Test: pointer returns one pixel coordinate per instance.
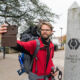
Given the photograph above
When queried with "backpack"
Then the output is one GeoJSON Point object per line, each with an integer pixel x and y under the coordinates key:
{"type": "Point", "coordinates": [31, 33]}
{"type": "Point", "coordinates": [26, 60]}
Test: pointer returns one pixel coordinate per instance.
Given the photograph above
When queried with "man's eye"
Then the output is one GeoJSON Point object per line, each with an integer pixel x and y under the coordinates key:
{"type": "Point", "coordinates": [45, 30]}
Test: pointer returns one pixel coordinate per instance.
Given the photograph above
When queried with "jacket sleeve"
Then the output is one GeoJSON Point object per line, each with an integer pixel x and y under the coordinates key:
{"type": "Point", "coordinates": [29, 46]}
{"type": "Point", "coordinates": [20, 49]}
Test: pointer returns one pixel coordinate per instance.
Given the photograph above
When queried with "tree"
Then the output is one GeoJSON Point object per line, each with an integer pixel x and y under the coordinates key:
{"type": "Point", "coordinates": [24, 12]}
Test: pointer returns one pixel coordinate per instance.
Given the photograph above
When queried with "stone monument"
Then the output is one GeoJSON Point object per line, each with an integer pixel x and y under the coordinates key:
{"type": "Point", "coordinates": [72, 52]}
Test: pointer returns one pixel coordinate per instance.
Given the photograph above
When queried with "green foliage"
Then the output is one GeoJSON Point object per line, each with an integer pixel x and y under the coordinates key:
{"type": "Point", "coordinates": [64, 42]}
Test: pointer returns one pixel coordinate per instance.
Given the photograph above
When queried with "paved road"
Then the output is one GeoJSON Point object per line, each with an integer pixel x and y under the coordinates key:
{"type": "Point", "coordinates": [10, 65]}
{"type": "Point", "coordinates": [59, 60]}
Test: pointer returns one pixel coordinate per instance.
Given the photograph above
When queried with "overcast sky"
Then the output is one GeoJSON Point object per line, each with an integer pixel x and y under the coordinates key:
{"type": "Point", "coordinates": [60, 7]}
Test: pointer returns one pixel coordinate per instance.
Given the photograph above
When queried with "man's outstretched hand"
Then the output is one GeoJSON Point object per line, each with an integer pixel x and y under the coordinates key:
{"type": "Point", "coordinates": [3, 28]}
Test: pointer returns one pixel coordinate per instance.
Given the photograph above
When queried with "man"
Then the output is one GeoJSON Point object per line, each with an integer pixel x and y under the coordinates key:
{"type": "Point", "coordinates": [45, 53]}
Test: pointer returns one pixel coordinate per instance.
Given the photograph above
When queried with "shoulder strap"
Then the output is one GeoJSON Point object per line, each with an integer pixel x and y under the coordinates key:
{"type": "Point", "coordinates": [37, 48]}
{"type": "Point", "coordinates": [36, 51]}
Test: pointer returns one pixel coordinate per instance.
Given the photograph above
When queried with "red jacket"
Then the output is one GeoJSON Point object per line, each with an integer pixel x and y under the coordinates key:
{"type": "Point", "coordinates": [30, 46]}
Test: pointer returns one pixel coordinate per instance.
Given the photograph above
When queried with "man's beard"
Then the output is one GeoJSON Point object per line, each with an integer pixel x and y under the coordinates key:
{"type": "Point", "coordinates": [46, 38]}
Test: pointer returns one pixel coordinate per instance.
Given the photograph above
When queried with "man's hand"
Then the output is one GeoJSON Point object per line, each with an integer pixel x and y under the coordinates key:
{"type": "Point", "coordinates": [54, 74]}
{"type": "Point", "coordinates": [3, 28]}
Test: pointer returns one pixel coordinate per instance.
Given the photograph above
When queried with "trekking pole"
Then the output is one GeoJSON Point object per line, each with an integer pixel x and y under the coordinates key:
{"type": "Point", "coordinates": [4, 52]}
{"type": "Point", "coordinates": [60, 73]}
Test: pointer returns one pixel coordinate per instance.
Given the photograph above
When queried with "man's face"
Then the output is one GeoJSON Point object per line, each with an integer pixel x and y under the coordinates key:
{"type": "Point", "coordinates": [46, 31]}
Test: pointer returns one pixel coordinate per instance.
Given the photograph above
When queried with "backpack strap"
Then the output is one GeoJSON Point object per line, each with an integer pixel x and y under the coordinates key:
{"type": "Point", "coordinates": [37, 48]}
{"type": "Point", "coordinates": [33, 76]}
{"type": "Point", "coordinates": [35, 52]}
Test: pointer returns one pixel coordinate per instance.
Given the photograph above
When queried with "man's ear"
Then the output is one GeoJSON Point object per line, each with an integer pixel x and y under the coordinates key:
{"type": "Point", "coordinates": [53, 32]}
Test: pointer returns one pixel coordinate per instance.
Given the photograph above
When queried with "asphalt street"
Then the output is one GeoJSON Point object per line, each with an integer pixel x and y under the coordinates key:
{"type": "Point", "coordinates": [10, 65]}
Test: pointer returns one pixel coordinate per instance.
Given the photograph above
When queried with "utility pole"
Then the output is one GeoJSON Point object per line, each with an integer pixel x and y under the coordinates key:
{"type": "Point", "coordinates": [5, 22]}
{"type": "Point", "coordinates": [61, 36]}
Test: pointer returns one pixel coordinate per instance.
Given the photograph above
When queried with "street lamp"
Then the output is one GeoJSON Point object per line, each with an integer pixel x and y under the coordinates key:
{"type": "Point", "coordinates": [61, 36]}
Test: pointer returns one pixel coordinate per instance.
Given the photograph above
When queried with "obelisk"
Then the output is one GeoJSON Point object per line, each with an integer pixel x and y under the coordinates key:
{"type": "Point", "coordinates": [72, 52]}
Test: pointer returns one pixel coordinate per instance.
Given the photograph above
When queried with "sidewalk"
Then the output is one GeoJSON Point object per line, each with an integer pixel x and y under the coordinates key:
{"type": "Point", "coordinates": [59, 60]}
{"type": "Point", "coordinates": [10, 65]}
